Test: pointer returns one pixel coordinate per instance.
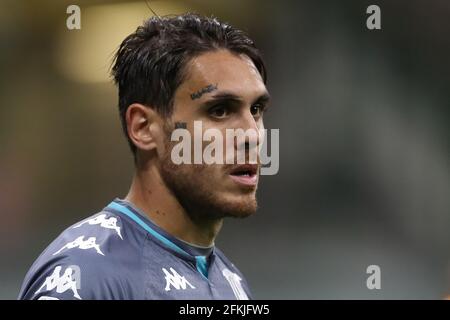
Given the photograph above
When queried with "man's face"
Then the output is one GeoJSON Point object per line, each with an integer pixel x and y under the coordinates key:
{"type": "Point", "coordinates": [223, 91]}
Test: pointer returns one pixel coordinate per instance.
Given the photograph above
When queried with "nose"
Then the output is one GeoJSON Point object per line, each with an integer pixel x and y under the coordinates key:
{"type": "Point", "coordinates": [251, 127]}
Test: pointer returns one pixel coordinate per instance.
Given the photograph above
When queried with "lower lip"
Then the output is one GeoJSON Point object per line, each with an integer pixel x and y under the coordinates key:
{"type": "Point", "coordinates": [245, 180]}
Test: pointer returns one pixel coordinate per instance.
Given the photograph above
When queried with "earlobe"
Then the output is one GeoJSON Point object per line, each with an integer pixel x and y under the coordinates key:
{"type": "Point", "coordinates": [142, 123]}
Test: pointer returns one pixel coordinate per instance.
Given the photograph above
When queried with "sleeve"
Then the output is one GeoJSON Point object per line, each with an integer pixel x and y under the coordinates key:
{"type": "Point", "coordinates": [88, 261]}
{"type": "Point", "coordinates": [63, 280]}
{"type": "Point", "coordinates": [59, 281]}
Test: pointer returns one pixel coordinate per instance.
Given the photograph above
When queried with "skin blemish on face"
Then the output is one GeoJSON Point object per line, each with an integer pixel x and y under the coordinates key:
{"type": "Point", "coordinates": [209, 88]}
{"type": "Point", "coordinates": [160, 212]}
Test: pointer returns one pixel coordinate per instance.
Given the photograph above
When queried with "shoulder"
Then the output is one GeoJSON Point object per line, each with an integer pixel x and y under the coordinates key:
{"type": "Point", "coordinates": [96, 258]}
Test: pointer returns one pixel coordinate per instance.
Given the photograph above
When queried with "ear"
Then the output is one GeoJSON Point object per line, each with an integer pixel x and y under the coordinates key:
{"type": "Point", "coordinates": [144, 126]}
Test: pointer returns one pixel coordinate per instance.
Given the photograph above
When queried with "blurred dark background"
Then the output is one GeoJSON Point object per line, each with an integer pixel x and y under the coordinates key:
{"type": "Point", "coordinates": [364, 140]}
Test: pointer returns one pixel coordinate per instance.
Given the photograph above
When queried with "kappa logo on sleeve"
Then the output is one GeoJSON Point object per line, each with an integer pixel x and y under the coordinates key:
{"type": "Point", "coordinates": [107, 223]}
{"type": "Point", "coordinates": [235, 282]}
{"type": "Point", "coordinates": [82, 244]}
{"type": "Point", "coordinates": [69, 280]}
{"type": "Point", "coordinates": [174, 279]}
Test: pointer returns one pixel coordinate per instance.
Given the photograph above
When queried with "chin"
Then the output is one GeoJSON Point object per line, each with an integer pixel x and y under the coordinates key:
{"type": "Point", "coordinates": [204, 195]}
{"type": "Point", "coordinates": [240, 206]}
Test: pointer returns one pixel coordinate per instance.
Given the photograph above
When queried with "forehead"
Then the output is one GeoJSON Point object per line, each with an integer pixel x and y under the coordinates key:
{"type": "Point", "coordinates": [229, 71]}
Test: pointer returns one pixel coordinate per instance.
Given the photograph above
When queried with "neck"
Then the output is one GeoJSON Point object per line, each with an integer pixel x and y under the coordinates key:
{"type": "Point", "coordinates": [149, 193]}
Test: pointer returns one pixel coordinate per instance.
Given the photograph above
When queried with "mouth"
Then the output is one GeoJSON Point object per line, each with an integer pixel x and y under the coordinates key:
{"type": "Point", "coordinates": [246, 175]}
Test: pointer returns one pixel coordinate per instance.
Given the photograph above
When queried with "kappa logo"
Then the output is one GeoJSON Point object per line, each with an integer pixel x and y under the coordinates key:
{"type": "Point", "coordinates": [68, 281]}
{"type": "Point", "coordinates": [235, 282]}
{"type": "Point", "coordinates": [110, 223]}
{"type": "Point", "coordinates": [82, 244]}
{"type": "Point", "coordinates": [174, 279]}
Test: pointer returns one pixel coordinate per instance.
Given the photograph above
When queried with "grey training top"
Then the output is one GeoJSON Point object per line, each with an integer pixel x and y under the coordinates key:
{"type": "Point", "coordinates": [120, 254]}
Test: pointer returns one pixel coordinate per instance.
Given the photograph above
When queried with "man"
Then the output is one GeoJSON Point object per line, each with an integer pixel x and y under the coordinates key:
{"type": "Point", "coordinates": [158, 242]}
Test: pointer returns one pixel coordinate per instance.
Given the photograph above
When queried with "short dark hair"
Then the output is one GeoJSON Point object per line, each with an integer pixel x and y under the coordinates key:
{"type": "Point", "coordinates": [150, 63]}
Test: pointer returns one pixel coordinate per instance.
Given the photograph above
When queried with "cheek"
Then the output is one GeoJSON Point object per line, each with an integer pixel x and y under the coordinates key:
{"type": "Point", "coordinates": [210, 176]}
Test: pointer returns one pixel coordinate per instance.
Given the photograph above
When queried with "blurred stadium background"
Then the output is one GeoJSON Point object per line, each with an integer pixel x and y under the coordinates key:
{"type": "Point", "coordinates": [364, 120]}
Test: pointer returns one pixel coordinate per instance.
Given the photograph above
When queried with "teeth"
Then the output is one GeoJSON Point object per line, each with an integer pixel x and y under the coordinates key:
{"type": "Point", "coordinates": [242, 173]}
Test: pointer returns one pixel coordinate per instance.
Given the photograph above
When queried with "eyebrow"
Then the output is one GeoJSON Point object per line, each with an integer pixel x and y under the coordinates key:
{"type": "Point", "coordinates": [229, 96]}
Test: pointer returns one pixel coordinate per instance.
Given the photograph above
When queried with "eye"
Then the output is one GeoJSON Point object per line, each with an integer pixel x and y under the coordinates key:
{"type": "Point", "coordinates": [219, 111]}
{"type": "Point", "coordinates": [257, 109]}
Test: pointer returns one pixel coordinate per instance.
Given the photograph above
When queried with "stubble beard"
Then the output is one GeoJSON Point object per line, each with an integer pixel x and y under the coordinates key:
{"type": "Point", "coordinates": [197, 193]}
